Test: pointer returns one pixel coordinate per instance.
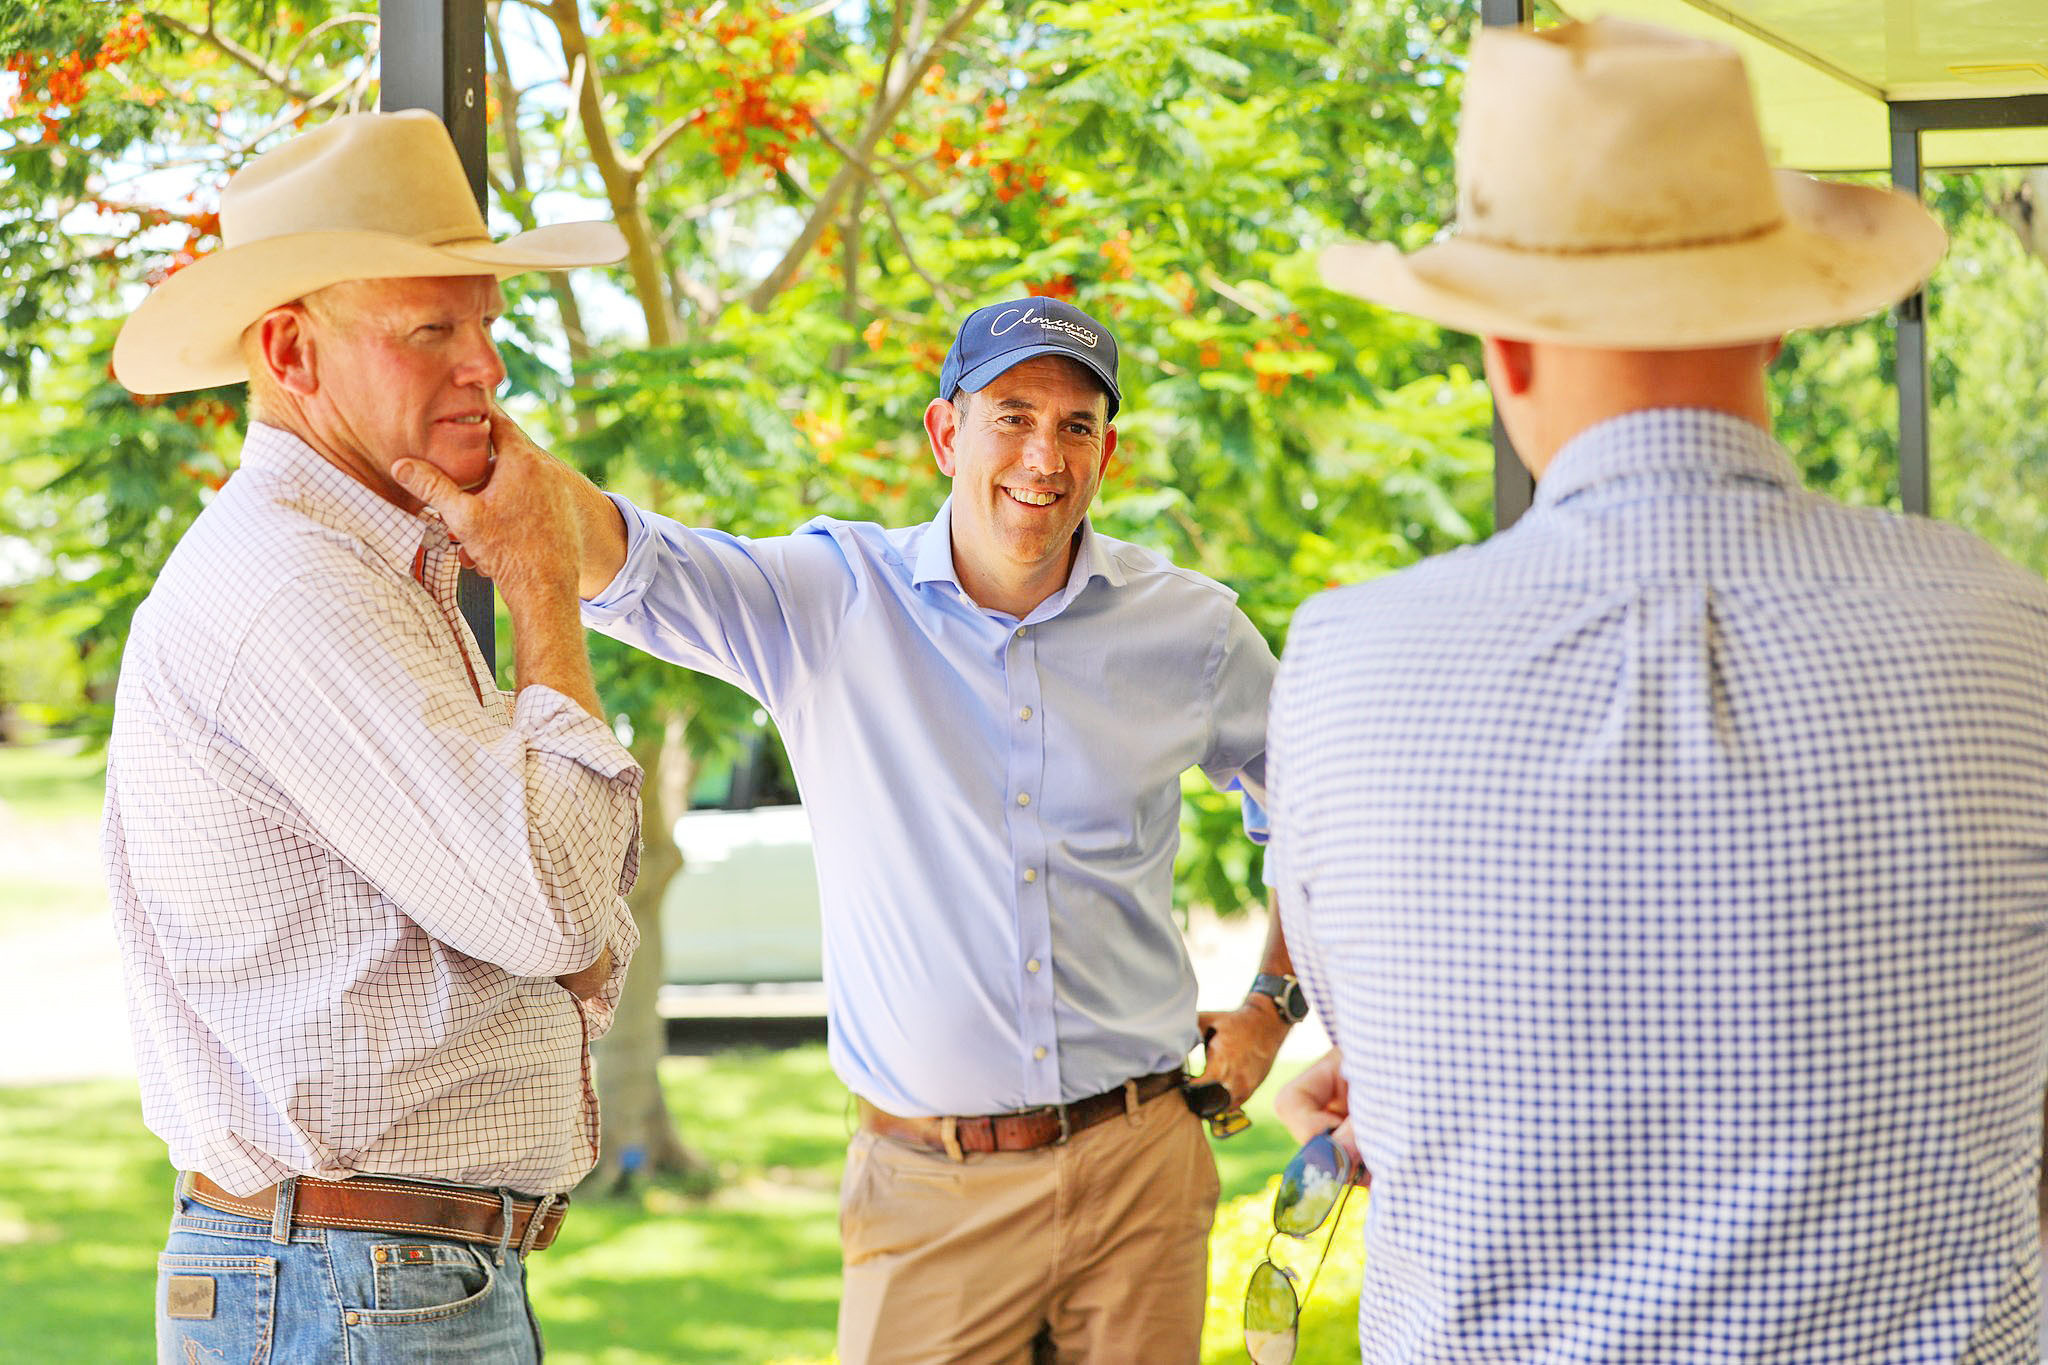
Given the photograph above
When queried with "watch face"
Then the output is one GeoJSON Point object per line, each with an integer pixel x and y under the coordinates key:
{"type": "Point", "coordinates": [1294, 1002]}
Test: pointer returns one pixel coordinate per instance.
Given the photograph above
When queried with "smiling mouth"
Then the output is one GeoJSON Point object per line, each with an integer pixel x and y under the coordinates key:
{"type": "Point", "coordinates": [472, 420]}
{"type": "Point", "coordinates": [1032, 497]}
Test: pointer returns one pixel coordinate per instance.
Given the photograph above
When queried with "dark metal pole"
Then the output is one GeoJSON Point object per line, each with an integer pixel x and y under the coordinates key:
{"type": "Point", "coordinates": [1513, 486]}
{"type": "Point", "coordinates": [1910, 327]}
{"type": "Point", "coordinates": [431, 54]}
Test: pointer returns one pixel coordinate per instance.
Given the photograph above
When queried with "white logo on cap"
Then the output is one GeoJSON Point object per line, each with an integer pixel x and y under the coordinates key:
{"type": "Point", "coordinates": [1024, 315]}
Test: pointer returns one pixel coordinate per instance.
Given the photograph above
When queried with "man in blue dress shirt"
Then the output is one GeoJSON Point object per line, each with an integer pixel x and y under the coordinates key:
{"type": "Point", "coordinates": [988, 716]}
{"type": "Point", "coordinates": [1673, 868]}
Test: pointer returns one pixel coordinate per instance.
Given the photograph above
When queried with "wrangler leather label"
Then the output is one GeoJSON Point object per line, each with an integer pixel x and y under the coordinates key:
{"type": "Point", "coordinates": [189, 1296]}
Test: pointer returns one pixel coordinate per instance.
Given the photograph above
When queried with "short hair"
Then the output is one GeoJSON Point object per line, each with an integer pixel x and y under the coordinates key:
{"type": "Point", "coordinates": [265, 398]}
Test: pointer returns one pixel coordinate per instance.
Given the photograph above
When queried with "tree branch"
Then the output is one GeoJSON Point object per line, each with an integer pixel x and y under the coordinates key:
{"type": "Point", "coordinates": [888, 104]}
{"type": "Point", "coordinates": [621, 182]}
{"type": "Point", "coordinates": [508, 98]}
{"type": "Point", "coordinates": [639, 164]}
{"type": "Point", "coordinates": [336, 22]}
{"type": "Point", "coordinates": [1237, 296]}
{"type": "Point", "coordinates": [278, 77]}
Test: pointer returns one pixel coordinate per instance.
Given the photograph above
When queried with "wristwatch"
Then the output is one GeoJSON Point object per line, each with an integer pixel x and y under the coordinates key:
{"type": "Point", "coordinates": [1285, 993]}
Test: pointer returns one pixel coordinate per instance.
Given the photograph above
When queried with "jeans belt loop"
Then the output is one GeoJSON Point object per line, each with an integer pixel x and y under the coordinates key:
{"type": "Point", "coordinates": [540, 1211]}
{"type": "Point", "coordinates": [1066, 1124]}
{"type": "Point", "coordinates": [1131, 1105]}
{"type": "Point", "coordinates": [281, 1210]}
{"type": "Point", "coordinates": [505, 1240]}
{"type": "Point", "coordinates": [949, 1133]}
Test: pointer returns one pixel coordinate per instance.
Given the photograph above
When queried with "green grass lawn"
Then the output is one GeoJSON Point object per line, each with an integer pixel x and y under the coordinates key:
{"type": "Point", "coordinates": [51, 782]}
{"type": "Point", "coordinates": [49, 818]}
{"type": "Point", "coordinates": [748, 1275]}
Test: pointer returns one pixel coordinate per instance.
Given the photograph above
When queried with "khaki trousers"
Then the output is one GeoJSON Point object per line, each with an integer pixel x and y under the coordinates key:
{"type": "Point", "coordinates": [1095, 1252]}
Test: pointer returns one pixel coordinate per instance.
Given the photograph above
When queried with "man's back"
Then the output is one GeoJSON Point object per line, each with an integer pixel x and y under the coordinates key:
{"type": "Point", "coordinates": [1680, 865]}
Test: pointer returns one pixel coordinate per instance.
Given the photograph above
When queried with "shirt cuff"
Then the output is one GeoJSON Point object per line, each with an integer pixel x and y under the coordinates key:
{"type": "Point", "coordinates": [622, 595]}
{"type": "Point", "coordinates": [1258, 826]}
{"type": "Point", "coordinates": [556, 725]}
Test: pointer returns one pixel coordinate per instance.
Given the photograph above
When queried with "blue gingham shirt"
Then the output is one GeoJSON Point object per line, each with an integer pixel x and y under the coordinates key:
{"type": "Point", "coordinates": [994, 802]}
{"type": "Point", "coordinates": [1672, 871]}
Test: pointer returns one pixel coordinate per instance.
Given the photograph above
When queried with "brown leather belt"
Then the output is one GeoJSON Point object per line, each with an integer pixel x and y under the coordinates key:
{"type": "Point", "coordinates": [382, 1203]}
{"type": "Point", "coordinates": [1025, 1130]}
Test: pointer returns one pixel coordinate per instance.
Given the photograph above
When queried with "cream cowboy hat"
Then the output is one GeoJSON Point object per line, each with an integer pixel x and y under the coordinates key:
{"type": "Point", "coordinates": [361, 197]}
{"type": "Point", "coordinates": [1614, 191]}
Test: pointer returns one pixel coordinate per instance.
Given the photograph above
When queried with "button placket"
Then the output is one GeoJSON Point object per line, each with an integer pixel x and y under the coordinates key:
{"type": "Point", "coordinates": [1026, 776]}
{"type": "Point", "coordinates": [438, 571]}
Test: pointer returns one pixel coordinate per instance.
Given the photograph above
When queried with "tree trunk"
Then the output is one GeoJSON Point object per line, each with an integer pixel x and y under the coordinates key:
{"type": "Point", "coordinates": [2024, 209]}
{"type": "Point", "coordinates": [640, 1135]}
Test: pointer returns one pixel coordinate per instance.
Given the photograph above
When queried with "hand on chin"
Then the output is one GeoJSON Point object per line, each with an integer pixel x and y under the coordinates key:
{"type": "Point", "coordinates": [464, 458]}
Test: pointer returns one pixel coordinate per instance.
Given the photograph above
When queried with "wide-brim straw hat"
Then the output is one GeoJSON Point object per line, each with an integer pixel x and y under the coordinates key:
{"type": "Point", "coordinates": [361, 197]}
{"type": "Point", "coordinates": [1614, 192]}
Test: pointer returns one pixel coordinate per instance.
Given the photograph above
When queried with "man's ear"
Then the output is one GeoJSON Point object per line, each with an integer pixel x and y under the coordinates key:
{"type": "Point", "coordinates": [1510, 365]}
{"type": "Point", "coordinates": [1108, 452]}
{"type": "Point", "coordinates": [941, 426]}
{"type": "Point", "coordinates": [285, 345]}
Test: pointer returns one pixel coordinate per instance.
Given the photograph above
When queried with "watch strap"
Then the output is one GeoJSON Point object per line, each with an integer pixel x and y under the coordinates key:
{"type": "Point", "coordinates": [1286, 994]}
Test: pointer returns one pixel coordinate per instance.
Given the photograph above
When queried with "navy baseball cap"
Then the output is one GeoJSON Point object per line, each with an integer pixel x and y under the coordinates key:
{"type": "Point", "coordinates": [1005, 334]}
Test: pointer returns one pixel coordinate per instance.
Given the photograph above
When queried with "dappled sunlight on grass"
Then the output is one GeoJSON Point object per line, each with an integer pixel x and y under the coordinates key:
{"type": "Point", "coordinates": [84, 1195]}
{"type": "Point", "coordinates": [747, 1275]}
{"type": "Point", "coordinates": [1329, 1320]}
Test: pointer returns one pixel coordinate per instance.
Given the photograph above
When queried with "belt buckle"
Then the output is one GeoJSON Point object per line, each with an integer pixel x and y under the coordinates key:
{"type": "Point", "coordinates": [1058, 1111]}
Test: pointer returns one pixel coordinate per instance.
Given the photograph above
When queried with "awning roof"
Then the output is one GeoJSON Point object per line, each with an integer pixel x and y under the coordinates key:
{"type": "Point", "coordinates": [1824, 69]}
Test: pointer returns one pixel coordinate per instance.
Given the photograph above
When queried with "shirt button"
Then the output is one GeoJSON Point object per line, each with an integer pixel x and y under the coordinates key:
{"type": "Point", "coordinates": [1024, 713]}
{"type": "Point", "coordinates": [1023, 798]}
{"type": "Point", "coordinates": [1032, 966]}
{"type": "Point", "coordinates": [1038, 1054]}
{"type": "Point", "coordinates": [1022, 631]}
{"type": "Point", "coordinates": [1030, 874]}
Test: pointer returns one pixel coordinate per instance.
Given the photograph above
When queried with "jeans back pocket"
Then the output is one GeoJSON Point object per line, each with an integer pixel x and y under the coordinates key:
{"type": "Point", "coordinates": [221, 1310]}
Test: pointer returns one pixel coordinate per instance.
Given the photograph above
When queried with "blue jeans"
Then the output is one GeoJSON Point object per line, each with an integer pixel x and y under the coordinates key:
{"type": "Point", "coordinates": [233, 1291]}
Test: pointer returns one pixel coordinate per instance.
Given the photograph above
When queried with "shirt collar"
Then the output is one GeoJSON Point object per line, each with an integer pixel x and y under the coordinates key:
{"type": "Point", "coordinates": [1657, 444]}
{"type": "Point", "coordinates": [934, 562]}
{"type": "Point", "coordinates": [392, 532]}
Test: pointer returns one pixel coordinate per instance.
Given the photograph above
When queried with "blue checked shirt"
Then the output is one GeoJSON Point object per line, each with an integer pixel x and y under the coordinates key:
{"type": "Point", "coordinates": [994, 803]}
{"type": "Point", "coordinates": [1672, 871]}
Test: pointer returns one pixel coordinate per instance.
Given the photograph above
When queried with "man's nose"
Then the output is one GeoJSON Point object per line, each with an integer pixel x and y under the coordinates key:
{"type": "Point", "coordinates": [1041, 453]}
{"type": "Point", "coordinates": [481, 364]}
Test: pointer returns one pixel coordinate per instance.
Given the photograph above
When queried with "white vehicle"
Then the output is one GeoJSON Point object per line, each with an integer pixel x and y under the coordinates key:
{"type": "Point", "coordinates": [744, 909]}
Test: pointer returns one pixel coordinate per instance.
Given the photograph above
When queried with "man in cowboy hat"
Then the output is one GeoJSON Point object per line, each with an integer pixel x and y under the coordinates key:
{"type": "Point", "coordinates": [989, 715]}
{"type": "Point", "coordinates": [368, 905]}
{"type": "Point", "coordinates": [1674, 866]}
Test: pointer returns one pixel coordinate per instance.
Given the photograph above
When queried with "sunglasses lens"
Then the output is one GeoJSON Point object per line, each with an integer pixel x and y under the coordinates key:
{"type": "Point", "coordinates": [1271, 1313]}
{"type": "Point", "coordinates": [1310, 1187]}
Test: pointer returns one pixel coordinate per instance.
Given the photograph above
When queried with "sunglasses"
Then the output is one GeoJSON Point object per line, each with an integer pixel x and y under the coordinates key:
{"type": "Point", "coordinates": [1211, 1101]}
{"type": "Point", "coordinates": [1315, 1183]}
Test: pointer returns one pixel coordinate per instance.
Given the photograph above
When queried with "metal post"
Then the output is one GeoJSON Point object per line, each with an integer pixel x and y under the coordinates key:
{"type": "Point", "coordinates": [431, 55]}
{"type": "Point", "coordinates": [1513, 486]}
{"type": "Point", "coordinates": [1910, 328]}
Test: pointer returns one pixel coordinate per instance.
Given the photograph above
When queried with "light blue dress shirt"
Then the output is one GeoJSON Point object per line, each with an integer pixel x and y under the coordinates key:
{"type": "Point", "coordinates": [994, 802]}
{"type": "Point", "coordinates": [1673, 871]}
